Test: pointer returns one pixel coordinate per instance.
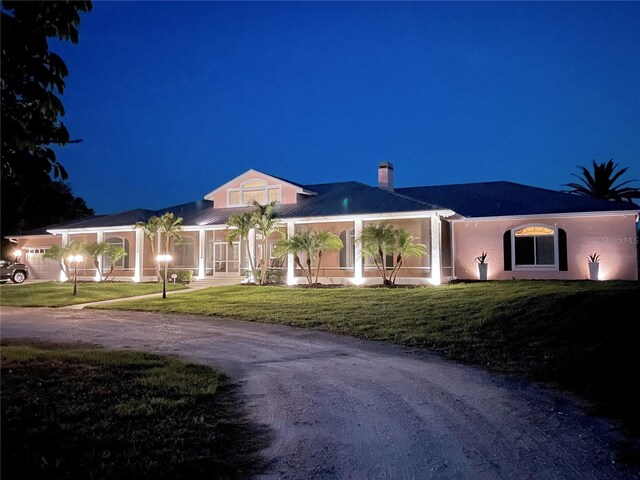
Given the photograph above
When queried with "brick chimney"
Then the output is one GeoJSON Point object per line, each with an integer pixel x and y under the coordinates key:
{"type": "Point", "coordinates": [385, 176]}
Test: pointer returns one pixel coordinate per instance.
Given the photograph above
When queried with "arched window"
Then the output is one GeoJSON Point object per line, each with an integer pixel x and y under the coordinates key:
{"type": "Point", "coordinates": [184, 253]}
{"type": "Point", "coordinates": [253, 189]}
{"type": "Point", "coordinates": [533, 246]}
{"type": "Point", "coordinates": [348, 250]}
{"type": "Point", "coordinates": [122, 262]}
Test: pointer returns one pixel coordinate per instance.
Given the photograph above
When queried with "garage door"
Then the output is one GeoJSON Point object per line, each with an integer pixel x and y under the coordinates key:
{"type": "Point", "coordinates": [39, 267]}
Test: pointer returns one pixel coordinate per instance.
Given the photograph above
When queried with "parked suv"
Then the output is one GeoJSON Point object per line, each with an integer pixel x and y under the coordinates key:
{"type": "Point", "coordinates": [16, 272]}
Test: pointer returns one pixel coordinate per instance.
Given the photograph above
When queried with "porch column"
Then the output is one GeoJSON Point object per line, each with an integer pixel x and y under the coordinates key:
{"type": "Point", "coordinates": [291, 272]}
{"type": "Point", "coordinates": [65, 241]}
{"type": "Point", "coordinates": [252, 250]}
{"type": "Point", "coordinates": [357, 267]}
{"type": "Point", "coordinates": [137, 273]}
{"type": "Point", "coordinates": [202, 243]}
{"type": "Point", "coordinates": [435, 250]}
{"type": "Point", "coordinates": [99, 239]}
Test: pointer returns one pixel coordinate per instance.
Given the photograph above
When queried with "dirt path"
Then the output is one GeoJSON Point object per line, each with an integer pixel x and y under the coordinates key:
{"type": "Point", "coordinates": [344, 408]}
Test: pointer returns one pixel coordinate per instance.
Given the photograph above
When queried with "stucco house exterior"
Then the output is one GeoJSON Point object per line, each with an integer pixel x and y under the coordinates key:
{"type": "Point", "coordinates": [527, 232]}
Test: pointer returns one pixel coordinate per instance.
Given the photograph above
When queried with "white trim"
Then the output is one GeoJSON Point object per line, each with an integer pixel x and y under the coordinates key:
{"type": "Point", "coordinates": [370, 216]}
{"type": "Point", "coordinates": [209, 196]}
{"type": "Point", "coordinates": [139, 251]}
{"type": "Point", "coordinates": [548, 215]}
{"type": "Point", "coordinates": [291, 230]}
{"type": "Point", "coordinates": [202, 241]}
{"type": "Point", "coordinates": [358, 263]}
{"type": "Point", "coordinates": [555, 267]}
{"type": "Point", "coordinates": [265, 189]}
{"type": "Point", "coordinates": [436, 273]}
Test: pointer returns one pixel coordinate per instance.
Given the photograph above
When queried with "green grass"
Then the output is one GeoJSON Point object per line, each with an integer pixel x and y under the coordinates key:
{"type": "Point", "coordinates": [79, 412]}
{"type": "Point", "coordinates": [57, 294]}
{"type": "Point", "coordinates": [575, 334]}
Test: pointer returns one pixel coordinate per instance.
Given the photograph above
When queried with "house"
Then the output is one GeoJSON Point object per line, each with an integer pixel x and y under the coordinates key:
{"type": "Point", "coordinates": [527, 232]}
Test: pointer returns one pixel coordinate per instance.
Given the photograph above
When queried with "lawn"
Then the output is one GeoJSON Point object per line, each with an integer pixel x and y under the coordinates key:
{"type": "Point", "coordinates": [79, 412]}
{"type": "Point", "coordinates": [58, 294]}
{"type": "Point", "coordinates": [577, 335]}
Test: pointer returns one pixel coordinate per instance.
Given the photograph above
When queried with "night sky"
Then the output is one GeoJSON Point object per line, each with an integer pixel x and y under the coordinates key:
{"type": "Point", "coordinates": [174, 99]}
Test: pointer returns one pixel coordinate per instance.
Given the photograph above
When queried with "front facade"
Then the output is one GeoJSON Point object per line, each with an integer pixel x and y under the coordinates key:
{"type": "Point", "coordinates": [527, 232]}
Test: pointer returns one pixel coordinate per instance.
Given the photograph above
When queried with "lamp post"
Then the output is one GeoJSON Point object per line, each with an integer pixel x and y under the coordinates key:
{"type": "Point", "coordinates": [75, 260]}
{"type": "Point", "coordinates": [164, 259]}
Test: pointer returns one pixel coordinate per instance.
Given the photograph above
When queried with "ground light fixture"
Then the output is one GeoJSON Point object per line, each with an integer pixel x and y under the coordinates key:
{"type": "Point", "coordinates": [75, 260]}
{"type": "Point", "coordinates": [164, 259]}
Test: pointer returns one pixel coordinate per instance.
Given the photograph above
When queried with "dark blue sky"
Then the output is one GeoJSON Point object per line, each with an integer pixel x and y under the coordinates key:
{"type": "Point", "coordinates": [174, 99]}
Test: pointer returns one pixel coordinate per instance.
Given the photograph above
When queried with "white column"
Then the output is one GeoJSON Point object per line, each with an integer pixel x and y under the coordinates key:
{"type": "Point", "coordinates": [357, 267]}
{"type": "Point", "coordinates": [252, 250]}
{"type": "Point", "coordinates": [435, 250]}
{"type": "Point", "coordinates": [291, 230]}
{"type": "Point", "coordinates": [202, 243]}
{"type": "Point", "coordinates": [99, 239]}
{"type": "Point", "coordinates": [137, 273]}
{"type": "Point", "coordinates": [65, 241]}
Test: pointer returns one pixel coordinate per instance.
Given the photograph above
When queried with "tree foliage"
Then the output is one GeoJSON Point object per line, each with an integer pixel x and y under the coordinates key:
{"type": "Point", "coordinates": [600, 182]}
{"type": "Point", "coordinates": [168, 228]}
{"type": "Point", "coordinates": [312, 245]}
{"type": "Point", "coordinates": [239, 225]}
{"type": "Point", "coordinates": [32, 79]}
{"type": "Point", "coordinates": [264, 218]}
{"type": "Point", "coordinates": [384, 239]}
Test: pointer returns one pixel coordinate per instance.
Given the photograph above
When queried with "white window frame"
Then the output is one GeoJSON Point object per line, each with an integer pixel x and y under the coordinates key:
{"type": "Point", "coordinates": [265, 189]}
{"type": "Point", "coordinates": [555, 267]}
{"type": "Point", "coordinates": [124, 244]}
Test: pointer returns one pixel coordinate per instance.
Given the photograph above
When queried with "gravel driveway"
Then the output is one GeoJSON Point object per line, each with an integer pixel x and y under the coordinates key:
{"type": "Point", "coordinates": [346, 408]}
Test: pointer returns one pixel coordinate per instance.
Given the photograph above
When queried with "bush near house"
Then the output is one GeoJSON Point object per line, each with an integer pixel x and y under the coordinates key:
{"type": "Point", "coordinates": [183, 276]}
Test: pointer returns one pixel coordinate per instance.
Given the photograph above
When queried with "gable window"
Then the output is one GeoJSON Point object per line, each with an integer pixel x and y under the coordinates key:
{"type": "Point", "coordinates": [253, 190]}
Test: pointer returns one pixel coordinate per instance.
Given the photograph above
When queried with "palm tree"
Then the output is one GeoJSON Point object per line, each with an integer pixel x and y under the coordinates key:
{"type": "Point", "coordinates": [324, 241]}
{"type": "Point", "coordinates": [313, 245]}
{"type": "Point", "coordinates": [404, 247]}
{"type": "Point", "coordinates": [96, 250]}
{"type": "Point", "coordinates": [113, 253]}
{"type": "Point", "coordinates": [300, 243]}
{"type": "Point", "coordinates": [170, 228]}
{"type": "Point", "coordinates": [600, 183]}
{"type": "Point", "coordinates": [264, 219]}
{"type": "Point", "coordinates": [60, 253]}
{"type": "Point", "coordinates": [242, 223]}
{"type": "Point", "coordinates": [376, 240]}
{"type": "Point", "coordinates": [151, 229]}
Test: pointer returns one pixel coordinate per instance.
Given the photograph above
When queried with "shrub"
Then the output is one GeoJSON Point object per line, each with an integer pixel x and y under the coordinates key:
{"type": "Point", "coordinates": [183, 276]}
{"type": "Point", "coordinates": [275, 276]}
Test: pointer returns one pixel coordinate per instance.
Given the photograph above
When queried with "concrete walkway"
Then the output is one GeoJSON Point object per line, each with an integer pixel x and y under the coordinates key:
{"type": "Point", "coordinates": [192, 287]}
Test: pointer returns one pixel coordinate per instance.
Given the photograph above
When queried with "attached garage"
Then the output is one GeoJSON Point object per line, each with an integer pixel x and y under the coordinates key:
{"type": "Point", "coordinates": [40, 267]}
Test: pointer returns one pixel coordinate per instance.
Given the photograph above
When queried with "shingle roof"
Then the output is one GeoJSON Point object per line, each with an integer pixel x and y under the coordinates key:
{"type": "Point", "coordinates": [495, 199]}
